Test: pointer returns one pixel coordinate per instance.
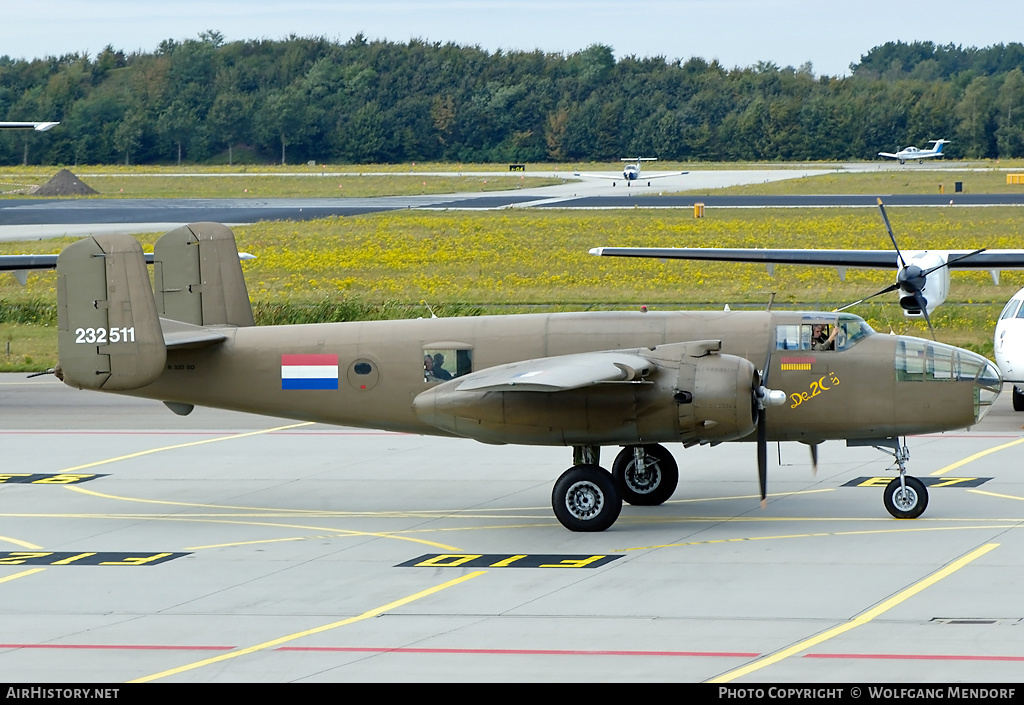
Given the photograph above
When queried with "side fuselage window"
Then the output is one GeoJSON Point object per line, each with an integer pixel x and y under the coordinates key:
{"type": "Point", "coordinates": [441, 365]}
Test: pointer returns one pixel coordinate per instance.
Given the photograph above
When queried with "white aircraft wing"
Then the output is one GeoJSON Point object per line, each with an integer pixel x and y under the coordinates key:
{"type": "Point", "coordinates": [37, 126]}
{"type": "Point", "coordinates": [661, 175]}
{"type": "Point", "coordinates": [560, 373]}
{"type": "Point", "coordinates": [889, 154]}
{"type": "Point", "coordinates": [614, 177]}
{"type": "Point", "coordinates": [991, 260]}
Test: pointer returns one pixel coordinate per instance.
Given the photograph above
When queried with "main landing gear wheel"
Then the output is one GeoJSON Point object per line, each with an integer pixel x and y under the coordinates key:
{"type": "Point", "coordinates": [649, 482]}
{"type": "Point", "coordinates": [1018, 400]}
{"type": "Point", "coordinates": [585, 498]}
{"type": "Point", "coordinates": [906, 502]}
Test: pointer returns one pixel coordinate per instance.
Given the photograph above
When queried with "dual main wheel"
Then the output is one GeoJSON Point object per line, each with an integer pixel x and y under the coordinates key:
{"type": "Point", "coordinates": [589, 498]}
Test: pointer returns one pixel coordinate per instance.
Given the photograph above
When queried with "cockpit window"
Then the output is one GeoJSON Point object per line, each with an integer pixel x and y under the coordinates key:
{"type": "Point", "coordinates": [921, 361]}
{"type": "Point", "coordinates": [1012, 309]}
{"type": "Point", "coordinates": [822, 332]}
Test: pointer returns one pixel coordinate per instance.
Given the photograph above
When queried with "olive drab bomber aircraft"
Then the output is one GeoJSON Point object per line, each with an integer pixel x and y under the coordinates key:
{"type": "Point", "coordinates": [635, 380]}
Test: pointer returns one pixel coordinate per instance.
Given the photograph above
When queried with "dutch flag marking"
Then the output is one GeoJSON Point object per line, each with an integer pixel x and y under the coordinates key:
{"type": "Point", "coordinates": [309, 372]}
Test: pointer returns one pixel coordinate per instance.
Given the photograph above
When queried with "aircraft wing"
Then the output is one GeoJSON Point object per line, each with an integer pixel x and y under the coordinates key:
{"type": "Point", "coordinates": [22, 263]}
{"type": "Point", "coordinates": [37, 126]}
{"type": "Point", "coordinates": [661, 174]}
{"type": "Point", "coordinates": [864, 259]}
{"type": "Point", "coordinates": [616, 177]}
{"type": "Point", "coordinates": [556, 374]}
{"type": "Point", "coordinates": [889, 154]}
{"type": "Point", "coordinates": [17, 263]}
{"type": "Point", "coordinates": [871, 259]}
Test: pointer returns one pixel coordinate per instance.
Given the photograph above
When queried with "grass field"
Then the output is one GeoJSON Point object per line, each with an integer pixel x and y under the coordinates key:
{"type": "Point", "coordinates": [395, 264]}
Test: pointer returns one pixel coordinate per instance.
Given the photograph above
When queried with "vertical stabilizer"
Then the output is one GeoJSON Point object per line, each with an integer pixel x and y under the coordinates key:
{"type": "Point", "coordinates": [198, 278]}
{"type": "Point", "coordinates": [108, 333]}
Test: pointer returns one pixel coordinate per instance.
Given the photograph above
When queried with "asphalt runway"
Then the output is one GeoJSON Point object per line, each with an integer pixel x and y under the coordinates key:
{"type": "Point", "coordinates": [137, 545]}
{"type": "Point", "coordinates": [26, 218]}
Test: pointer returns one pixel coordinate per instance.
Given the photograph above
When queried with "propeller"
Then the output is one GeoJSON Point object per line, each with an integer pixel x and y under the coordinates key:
{"type": "Point", "coordinates": [911, 279]}
{"type": "Point", "coordinates": [764, 397]}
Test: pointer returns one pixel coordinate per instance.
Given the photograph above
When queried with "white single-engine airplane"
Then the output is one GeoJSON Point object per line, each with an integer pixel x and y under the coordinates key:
{"type": "Point", "coordinates": [631, 171]}
{"type": "Point", "coordinates": [914, 153]}
{"type": "Point", "coordinates": [1009, 347]}
{"type": "Point", "coordinates": [922, 276]}
{"type": "Point", "coordinates": [37, 126]}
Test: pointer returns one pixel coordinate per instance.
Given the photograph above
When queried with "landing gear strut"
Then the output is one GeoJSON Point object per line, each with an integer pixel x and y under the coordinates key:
{"type": "Point", "coordinates": [905, 497]}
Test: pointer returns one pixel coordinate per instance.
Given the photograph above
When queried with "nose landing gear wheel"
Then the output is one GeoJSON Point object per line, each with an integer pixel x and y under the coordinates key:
{"type": "Point", "coordinates": [585, 498]}
{"type": "Point", "coordinates": [651, 484]}
{"type": "Point", "coordinates": [906, 502]}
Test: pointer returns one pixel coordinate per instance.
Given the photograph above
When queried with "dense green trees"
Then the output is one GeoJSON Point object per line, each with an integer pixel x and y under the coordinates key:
{"type": "Point", "coordinates": [294, 100]}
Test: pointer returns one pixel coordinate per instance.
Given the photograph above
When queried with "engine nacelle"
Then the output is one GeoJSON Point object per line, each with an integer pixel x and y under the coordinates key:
{"type": "Point", "coordinates": [936, 286]}
{"type": "Point", "coordinates": [692, 394]}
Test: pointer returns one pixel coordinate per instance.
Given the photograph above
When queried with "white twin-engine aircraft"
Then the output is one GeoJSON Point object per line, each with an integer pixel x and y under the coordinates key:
{"type": "Point", "coordinates": [922, 276]}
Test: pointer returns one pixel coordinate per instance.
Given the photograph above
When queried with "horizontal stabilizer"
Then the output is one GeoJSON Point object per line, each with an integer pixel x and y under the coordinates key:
{"type": "Point", "coordinates": [178, 335]}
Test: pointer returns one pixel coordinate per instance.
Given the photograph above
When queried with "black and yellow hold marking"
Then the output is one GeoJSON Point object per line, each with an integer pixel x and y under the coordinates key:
{"type": "Point", "coordinates": [85, 558]}
{"type": "Point", "coordinates": [503, 560]}
{"type": "Point", "coordinates": [64, 478]}
{"type": "Point", "coordinates": [928, 481]}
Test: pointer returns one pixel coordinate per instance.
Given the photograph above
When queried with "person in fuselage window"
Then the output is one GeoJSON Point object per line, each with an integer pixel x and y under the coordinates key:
{"type": "Point", "coordinates": [438, 370]}
{"type": "Point", "coordinates": [822, 338]}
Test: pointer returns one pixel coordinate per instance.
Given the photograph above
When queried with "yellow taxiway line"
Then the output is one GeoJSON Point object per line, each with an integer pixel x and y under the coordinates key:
{"type": "Point", "coordinates": [298, 635]}
{"type": "Point", "coordinates": [857, 621]}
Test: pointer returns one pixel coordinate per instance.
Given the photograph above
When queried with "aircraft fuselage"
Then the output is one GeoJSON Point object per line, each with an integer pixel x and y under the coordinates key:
{"type": "Point", "coordinates": [846, 393]}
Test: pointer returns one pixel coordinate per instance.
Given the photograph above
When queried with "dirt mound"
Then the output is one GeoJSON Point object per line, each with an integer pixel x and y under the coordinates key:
{"type": "Point", "coordinates": [64, 183]}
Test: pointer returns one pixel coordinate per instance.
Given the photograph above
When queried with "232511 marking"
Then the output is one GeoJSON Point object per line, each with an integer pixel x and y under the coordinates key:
{"type": "Point", "coordinates": [102, 336]}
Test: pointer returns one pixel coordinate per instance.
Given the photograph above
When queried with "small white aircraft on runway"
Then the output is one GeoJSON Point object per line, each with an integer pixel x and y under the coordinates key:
{"type": "Point", "coordinates": [914, 153]}
{"type": "Point", "coordinates": [37, 126]}
{"type": "Point", "coordinates": [1009, 347]}
{"type": "Point", "coordinates": [631, 171]}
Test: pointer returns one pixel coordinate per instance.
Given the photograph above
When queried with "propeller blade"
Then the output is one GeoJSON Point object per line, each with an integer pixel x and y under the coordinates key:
{"type": "Point", "coordinates": [955, 259]}
{"type": "Point", "coordinates": [892, 237]}
{"type": "Point", "coordinates": [762, 456]}
{"type": "Point", "coordinates": [886, 290]}
{"type": "Point", "coordinates": [762, 428]}
{"type": "Point", "coordinates": [922, 303]}
{"type": "Point", "coordinates": [814, 459]}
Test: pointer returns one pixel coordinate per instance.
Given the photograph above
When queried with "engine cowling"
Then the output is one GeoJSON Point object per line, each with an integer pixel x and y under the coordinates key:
{"type": "Point", "coordinates": [690, 393]}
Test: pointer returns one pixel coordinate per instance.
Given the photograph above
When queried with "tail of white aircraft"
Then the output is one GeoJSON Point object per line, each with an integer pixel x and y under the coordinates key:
{"type": "Point", "coordinates": [938, 145]}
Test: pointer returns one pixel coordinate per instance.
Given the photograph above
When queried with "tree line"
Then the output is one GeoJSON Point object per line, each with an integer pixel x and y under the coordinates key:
{"type": "Point", "coordinates": [205, 100]}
